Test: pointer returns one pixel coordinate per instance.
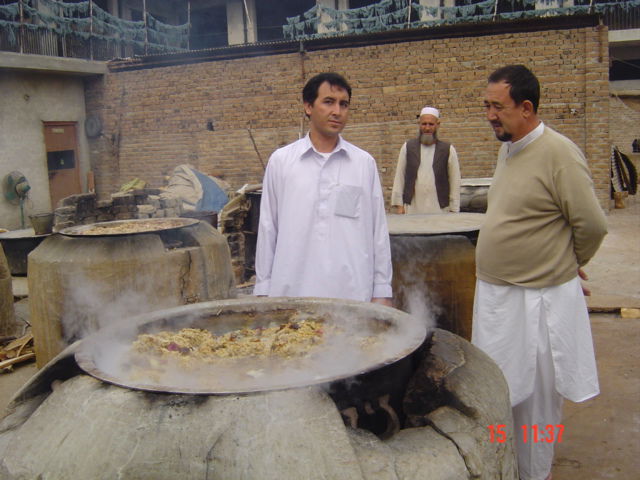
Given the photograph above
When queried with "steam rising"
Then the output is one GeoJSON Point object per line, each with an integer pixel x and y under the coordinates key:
{"type": "Point", "coordinates": [413, 255]}
{"type": "Point", "coordinates": [93, 310]}
{"type": "Point", "coordinates": [92, 305]}
{"type": "Point", "coordinates": [340, 356]}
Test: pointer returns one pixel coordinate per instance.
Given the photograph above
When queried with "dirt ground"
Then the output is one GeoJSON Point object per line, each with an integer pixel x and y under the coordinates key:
{"type": "Point", "coordinates": [601, 437]}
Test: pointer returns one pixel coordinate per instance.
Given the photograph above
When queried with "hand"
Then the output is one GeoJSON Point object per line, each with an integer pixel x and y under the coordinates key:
{"type": "Point", "coordinates": [399, 209]}
{"type": "Point", "coordinates": [383, 301]}
{"type": "Point", "coordinates": [584, 276]}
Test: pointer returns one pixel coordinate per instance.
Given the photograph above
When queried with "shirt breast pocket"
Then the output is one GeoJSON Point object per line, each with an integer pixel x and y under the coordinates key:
{"type": "Point", "coordinates": [348, 201]}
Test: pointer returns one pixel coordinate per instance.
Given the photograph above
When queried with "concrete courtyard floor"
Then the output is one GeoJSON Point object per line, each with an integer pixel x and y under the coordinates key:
{"type": "Point", "coordinates": [601, 437]}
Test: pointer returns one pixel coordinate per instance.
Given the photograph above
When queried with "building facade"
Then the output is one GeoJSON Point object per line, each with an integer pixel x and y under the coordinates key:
{"type": "Point", "coordinates": [225, 115]}
{"type": "Point", "coordinates": [225, 92]}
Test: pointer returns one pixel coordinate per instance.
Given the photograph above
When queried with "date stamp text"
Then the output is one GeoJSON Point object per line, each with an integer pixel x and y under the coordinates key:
{"type": "Point", "coordinates": [530, 433]}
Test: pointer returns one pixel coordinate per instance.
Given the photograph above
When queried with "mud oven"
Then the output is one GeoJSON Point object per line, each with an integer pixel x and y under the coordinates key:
{"type": "Point", "coordinates": [76, 419]}
{"type": "Point", "coordinates": [416, 406]}
{"type": "Point", "coordinates": [89, 276]}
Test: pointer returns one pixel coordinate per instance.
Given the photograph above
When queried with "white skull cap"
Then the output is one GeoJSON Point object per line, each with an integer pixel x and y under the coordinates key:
{"type": "Point", "coordinates": [430, 111]}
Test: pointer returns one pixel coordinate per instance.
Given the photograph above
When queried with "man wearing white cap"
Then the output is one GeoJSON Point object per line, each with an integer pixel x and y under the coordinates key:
{"type": "Point", "coordinates": [427, 176]}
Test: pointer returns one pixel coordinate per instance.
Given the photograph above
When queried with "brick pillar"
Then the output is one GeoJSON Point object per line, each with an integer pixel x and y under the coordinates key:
{"type": "Point", "coordinates": [597, 141]}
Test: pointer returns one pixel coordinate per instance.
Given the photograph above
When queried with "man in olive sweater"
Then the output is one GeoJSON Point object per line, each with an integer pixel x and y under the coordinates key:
{"type": "Point", "coordinates": [543, 223]}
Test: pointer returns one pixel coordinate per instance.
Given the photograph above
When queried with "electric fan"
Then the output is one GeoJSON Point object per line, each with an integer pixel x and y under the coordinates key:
{"type": "Point", "coordinates": [15, 187]}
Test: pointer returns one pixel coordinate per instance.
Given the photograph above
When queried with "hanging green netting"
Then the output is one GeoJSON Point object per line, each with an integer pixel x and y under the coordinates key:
{"type": "Point", "coordinates": [10, 11]}
{"type": "Point", "coordinates": [87, 20]}
{"type": "Point", "coordinates": [394, 14]}
{"type": "Point", "coordinates": [12, 30]}
{"type": "Point", "coordinates": [62, 9]}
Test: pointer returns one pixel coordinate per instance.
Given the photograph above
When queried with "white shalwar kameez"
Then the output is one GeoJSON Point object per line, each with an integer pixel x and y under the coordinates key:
{"type": "Point", "coordinates": [541, 340]}
{"type": "Point", "coordinates": [323, 228]}
{"type": "Point", "coordinates": [425, 198]}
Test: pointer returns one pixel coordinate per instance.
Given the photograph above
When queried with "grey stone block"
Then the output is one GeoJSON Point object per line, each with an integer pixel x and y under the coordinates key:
{"type": "Point", "coordinates": [146, 209]}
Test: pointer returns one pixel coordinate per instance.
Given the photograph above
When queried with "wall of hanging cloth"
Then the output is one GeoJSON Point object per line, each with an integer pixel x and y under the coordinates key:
{"type": "Point", "coordinates": [86, 20]}
{"type": "Point", "coordinates": [397, 14]}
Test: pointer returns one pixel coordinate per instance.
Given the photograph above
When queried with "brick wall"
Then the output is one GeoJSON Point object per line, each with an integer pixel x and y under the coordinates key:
{"type": "Point", "coordinates": [625, 122]}
{"type": "Point", "coordinates": [156, 118]}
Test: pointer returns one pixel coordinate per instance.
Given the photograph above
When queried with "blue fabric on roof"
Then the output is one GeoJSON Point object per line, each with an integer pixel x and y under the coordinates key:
{"type": "Point", "coordinates": [213, 197]}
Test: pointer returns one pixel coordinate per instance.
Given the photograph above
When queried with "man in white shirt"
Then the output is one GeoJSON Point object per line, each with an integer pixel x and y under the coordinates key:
{"type": "Point", "coordinates": [427, 176]}
{"type": "Point", "coordinates": [323, 230]}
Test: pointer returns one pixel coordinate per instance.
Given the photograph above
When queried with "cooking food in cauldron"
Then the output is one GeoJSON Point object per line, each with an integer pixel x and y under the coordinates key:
{"type": "Point", "coordinates": [355, 337]}
{"type": "Point", "coordinates": [109, 228]}
{"type": "Point", "coordinates": [194, 344]}
{"type": "Point", "coordinates": [129, 227]}
{"type": "Point", "coordinates": [193, 348]}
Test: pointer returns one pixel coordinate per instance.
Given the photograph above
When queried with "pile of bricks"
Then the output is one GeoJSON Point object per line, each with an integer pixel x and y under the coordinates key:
{"type": "Point", "coordinates": [232, 225]}
{"type": "Point", "coordinates": [84, 208]}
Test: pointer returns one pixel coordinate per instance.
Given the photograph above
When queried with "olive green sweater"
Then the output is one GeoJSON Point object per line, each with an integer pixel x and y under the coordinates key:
{"type": "Point", "coordinates": [543, 220]}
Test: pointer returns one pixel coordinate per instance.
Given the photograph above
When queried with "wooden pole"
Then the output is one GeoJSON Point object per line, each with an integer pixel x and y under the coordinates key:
{"type": "Point", "coordinates": [146, 27]}
{"type": "Point", "coordinates": [7, 312]}
{"type": "Point", "coordinates": [188, 25]}
{"type": "Point", "coordinates": [21, 28]}
{"type": "Point", "coordinates": [91, 29]}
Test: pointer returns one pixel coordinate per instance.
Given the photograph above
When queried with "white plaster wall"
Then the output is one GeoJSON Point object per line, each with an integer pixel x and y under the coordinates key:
{"type": "Point", "coordinates": [27, 100]}
{"type": "Point", "coordinates": [237, 21]}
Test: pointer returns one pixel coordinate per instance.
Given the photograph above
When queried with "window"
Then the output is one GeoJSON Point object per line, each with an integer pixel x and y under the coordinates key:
{"type": "Point", "coordinates": [271, 16]}
{"type": "Point", "coordinates": [624, 69]}
{"type": "Point", "coordinates": [506, 6]}
{"type": "Point", "coordinates": [209, 27]}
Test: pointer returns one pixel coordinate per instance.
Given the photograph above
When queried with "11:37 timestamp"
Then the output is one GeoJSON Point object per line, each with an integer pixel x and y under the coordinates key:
{"type": "Point", "coordinates": [530, 433]}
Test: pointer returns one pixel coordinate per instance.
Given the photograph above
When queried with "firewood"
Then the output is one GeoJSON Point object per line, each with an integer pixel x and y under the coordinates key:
{"type": "Point", "coordinates": [12, 361]}
{"type": "Point", "coordinates": [630, 312]}
{"type": "Point", "coordinates": [18, 344]}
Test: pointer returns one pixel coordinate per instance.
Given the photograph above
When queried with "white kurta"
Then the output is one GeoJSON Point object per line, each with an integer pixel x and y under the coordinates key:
{"type": "Point", "coordinates": [506, 327]}
{"type": "Point", "coordinates": [425, 199]}
{"type": "Point", "coordinates": [543, 409]}
{"type": "Point", "coordinates": [323, 229]}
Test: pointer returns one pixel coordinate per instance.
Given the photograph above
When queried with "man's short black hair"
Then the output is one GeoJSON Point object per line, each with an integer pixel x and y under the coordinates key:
{"type": "Point", "coordinates": [310, 90]}
{"type": "Point", "coordinates": [523, 83]}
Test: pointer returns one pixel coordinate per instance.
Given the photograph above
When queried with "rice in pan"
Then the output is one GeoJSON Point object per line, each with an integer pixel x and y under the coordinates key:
{"type": "Point", "coordinates": [287, 340]}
